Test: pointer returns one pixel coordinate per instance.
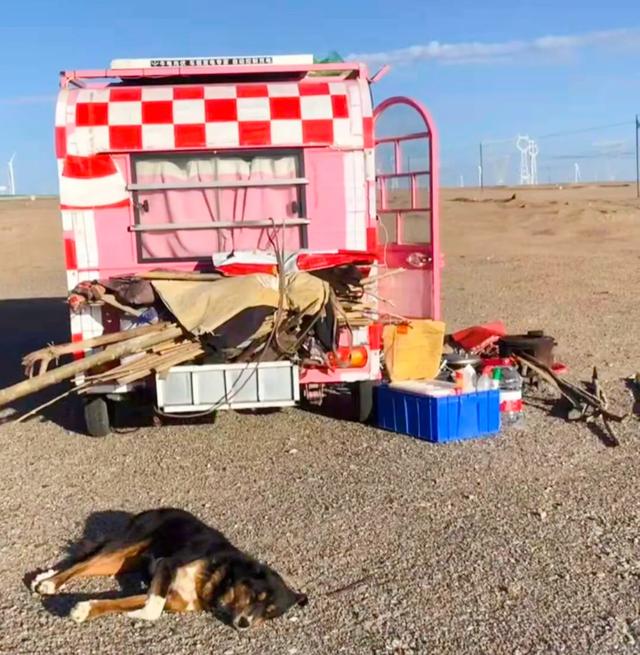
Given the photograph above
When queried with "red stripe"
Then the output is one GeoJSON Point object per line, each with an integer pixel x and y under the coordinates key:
{"type": "Point", "coordinates": [189, 136]}
{"type": "Point", "coordinates": [253, 91]}
{"type": "Point", "coordinates": [88, 167]}
{"type": "Point", "coordinates": [339, 106]}
{"type": "Point", "coordinates": [372, 239]}
{"type": "Point", "coordinates": [511, 405]}
{"type": "Point", "coordinates": [317, 131]}
{"type": "Point", "coordinates": [157, 112]}
{"type": "Point", "coordinates": [92, 114]}
{"type": "Point", "coordinates": [367, 124]}
{"type": "Point", "coordinates": [255, 133]}
{"type": "Point", "coordinates": [220, 109]}
{"type": "Point", "coordinates": [375, 336]}
{"type": "Point", "coordinates": [284, 108]}
{"type": "Point", "coordinates": [61, 142]}
{"type": "Point", "coordinates": [125, 137]}
{"type": "Point", "coordinates": [188, 93]}
{"type": "Point", "coordinates": [75, 338]}
{"type": "Point", "coordinates": [125, 94]}
{"type": "Point", "coordinates": [70, 257]}
{"type": "Point", "coordinates": [314, 88]}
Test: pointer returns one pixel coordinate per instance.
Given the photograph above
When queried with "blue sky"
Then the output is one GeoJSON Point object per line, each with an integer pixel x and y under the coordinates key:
{"type": "Point", "coordinates": [486, 69]}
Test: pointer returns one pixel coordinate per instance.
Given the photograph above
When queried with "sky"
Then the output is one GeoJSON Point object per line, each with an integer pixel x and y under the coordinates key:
{"type": "Point", "coordinates": [487, 70]}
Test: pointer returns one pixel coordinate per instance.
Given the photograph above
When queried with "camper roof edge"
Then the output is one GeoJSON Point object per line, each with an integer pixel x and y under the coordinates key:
{"type": "Point", "coordinates": [346, 70]}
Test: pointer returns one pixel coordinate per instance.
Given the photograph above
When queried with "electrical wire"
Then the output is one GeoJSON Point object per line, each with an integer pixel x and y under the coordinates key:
{"type": "Point", "coordinates": [233, 391]}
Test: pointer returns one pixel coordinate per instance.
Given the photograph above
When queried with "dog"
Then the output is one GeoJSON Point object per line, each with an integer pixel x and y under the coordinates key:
{"type": "Point", "coordinates": [191, 566]}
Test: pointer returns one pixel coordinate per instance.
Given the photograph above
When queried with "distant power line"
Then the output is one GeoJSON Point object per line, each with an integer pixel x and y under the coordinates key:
{"type": "Point", "coordinates": [551, 135]}
{"type": "Point", "coordinates": [587, 129]}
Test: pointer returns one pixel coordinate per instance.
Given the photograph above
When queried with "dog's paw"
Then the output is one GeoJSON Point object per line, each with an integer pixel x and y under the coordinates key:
{"type": "Point", "coordinates": [80, 612]}
{"type": "Point", "coordinates": [42, 583]}
{"type": "Point", "coordinates": [151, 610]}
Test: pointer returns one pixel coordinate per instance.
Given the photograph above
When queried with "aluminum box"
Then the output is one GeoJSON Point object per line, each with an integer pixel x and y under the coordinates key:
{"type": "Point", "coordinates": [228, 386]}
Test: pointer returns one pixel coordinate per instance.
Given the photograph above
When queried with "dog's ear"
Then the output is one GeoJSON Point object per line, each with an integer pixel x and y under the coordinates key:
{"type": "Point", "coordinates": [211, 585]}
{"type": "Point", "coordinates": [301, 599]}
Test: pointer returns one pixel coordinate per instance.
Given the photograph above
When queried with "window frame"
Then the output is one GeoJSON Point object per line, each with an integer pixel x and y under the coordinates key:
{"type": "Point", "coordinates": [296, 153]}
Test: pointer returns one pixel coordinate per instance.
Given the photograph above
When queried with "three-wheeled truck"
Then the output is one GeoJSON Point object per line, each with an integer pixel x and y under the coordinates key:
{"type": "Point", "coordinates": [183, 164]}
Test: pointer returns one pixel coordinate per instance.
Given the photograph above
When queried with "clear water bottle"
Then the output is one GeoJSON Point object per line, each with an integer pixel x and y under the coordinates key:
{"type": "Point", "coordinates": [484, 382]}
{"type": "Point", "coordinates": [511, 397]}
{"type": "Point", "coordinates": [469, 379]}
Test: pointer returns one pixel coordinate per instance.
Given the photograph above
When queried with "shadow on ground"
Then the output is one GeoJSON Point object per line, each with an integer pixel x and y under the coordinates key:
{"type": "Point", "coordinates": [27, 325]}
{"type": "Point", "coordinates": [98, 527]}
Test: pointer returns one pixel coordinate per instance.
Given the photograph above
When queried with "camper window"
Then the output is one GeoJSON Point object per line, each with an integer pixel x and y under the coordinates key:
{"type": "Point", "coordinates": [191, 205]}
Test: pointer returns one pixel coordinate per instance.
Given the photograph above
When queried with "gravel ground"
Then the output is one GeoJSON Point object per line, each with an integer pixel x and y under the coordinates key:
{"type": "Point", "coordinates": [523, 543]}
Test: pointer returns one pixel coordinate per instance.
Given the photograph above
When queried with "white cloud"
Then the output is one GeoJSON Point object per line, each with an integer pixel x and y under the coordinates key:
{"type": "Point", "coordinates": [475, 52]}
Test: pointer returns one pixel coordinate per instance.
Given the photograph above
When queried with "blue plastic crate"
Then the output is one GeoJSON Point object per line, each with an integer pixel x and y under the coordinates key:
{"type": "Point", "coordinates": [441, 419]}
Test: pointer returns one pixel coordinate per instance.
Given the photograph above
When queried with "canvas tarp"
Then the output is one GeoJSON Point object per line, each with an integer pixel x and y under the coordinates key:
{"type": "Point", "coordinates": [201, 307]}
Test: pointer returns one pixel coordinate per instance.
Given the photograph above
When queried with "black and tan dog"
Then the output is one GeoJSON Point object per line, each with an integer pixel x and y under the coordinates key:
{"type": "Point", "coordinates": [192, 568]}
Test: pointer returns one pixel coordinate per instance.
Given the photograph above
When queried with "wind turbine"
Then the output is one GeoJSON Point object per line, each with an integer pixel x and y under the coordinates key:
{"type": "Point", "coordinates": [12, 177]}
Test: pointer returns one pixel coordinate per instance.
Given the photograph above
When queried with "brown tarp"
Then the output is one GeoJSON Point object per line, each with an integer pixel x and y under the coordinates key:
{"type": "Point", "coordinates": [201, 307]}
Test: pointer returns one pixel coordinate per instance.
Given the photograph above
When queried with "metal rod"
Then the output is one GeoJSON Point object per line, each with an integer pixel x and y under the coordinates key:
{"type": "Point", "coordinates": [637, 158]}
{"type": "Point", "coordinates": [481, 167]}
{"type": "Point", "coordinates": [229, 184]}
{"type": "Point", "coordinates": [406, 137]}
{"type": "Point", "coordinates": [218, 225]}
{"type": "Point", "coordinates": [405, 210]}
{"type": "Point", "coordinates": [386, 176]}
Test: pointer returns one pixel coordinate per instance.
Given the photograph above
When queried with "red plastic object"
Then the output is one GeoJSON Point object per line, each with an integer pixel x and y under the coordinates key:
{"type": "Point", "coordinates": [560, 369]}
{"type": "Point", "coordinates": [345, 357]}
{"type": "Point", "coordinates": [237, 269]}
{"type": "Point", "coordinates": [479, 337]}
{"type": "Point", "coordinates": [375, 336]}
{"type": "Point", "coordinates": [318, 261]}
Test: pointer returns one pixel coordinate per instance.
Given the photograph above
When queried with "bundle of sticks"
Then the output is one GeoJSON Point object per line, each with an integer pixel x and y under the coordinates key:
{"type": "Point", "coordinates": [131, 355]}
{"type": "Point", "coordinates": [156, 349]}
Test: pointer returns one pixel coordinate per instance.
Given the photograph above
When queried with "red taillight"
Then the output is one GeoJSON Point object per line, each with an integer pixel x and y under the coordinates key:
{"type": "Point", "coordinates": [345, 357]}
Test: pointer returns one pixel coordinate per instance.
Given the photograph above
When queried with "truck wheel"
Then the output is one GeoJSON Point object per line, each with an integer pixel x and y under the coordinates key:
{"type": "Point", "coordinates": [362, 396]}
{"type": "Point", "coordinates": [97, 416]}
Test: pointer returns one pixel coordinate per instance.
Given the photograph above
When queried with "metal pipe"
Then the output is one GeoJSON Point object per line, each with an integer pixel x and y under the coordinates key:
{"type": "Point", "coordinates": [637, 158]}
{"type": "Point", "coordinates": [219, 225]}
{"type": "Point", "coordinates": [229, 184]}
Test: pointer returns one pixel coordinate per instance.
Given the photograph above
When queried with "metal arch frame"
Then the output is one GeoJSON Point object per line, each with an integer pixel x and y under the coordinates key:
{"type": "Point", "coordinates": [434, 180]}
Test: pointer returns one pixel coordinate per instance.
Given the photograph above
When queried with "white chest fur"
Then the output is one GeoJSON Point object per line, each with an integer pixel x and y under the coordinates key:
{"type": "Point", "coordinates": [184, 584]}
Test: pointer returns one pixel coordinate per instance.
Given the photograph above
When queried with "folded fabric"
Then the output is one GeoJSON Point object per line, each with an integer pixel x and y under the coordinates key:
{"type": "Point", "coordinates": [202, 307]}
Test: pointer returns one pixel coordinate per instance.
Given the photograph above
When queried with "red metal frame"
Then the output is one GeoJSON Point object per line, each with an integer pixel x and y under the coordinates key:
{"type": "Point", "coordinates": [434, 183]}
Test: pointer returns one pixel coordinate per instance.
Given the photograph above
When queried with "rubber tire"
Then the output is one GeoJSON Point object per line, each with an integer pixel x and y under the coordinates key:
{"type": "Point", "coordinates": [97, 416]}
{"type": "Point", "coordinates": [362, 394]}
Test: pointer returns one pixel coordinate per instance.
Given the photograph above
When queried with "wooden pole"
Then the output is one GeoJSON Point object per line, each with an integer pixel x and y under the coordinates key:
{"type": "Point", "coordinates": [66, 372]}
{"type": "Point", "coordinates": [45, 355]}
{"type": "Point", "coordinates": [177, 275]}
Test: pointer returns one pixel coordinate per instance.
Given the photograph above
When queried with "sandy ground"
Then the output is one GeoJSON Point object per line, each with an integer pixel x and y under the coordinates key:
{"type": "Point", "coordinates": [525, 543]}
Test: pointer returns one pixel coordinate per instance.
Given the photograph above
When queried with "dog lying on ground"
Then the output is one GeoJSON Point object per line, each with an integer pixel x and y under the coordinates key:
{"type": "Point", "coordinates": [192, 567]}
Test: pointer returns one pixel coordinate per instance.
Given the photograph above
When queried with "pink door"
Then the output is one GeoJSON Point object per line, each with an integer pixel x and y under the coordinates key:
{"type": "Point", "coordinates": [407, 208]}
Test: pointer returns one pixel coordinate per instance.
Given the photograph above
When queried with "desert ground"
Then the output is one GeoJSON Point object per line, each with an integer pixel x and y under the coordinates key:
{"type": "Point", "coordinates": [520, 544]}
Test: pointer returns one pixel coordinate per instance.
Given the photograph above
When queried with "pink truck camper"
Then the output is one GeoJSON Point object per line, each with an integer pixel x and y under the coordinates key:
{"type": "Point", "coordinates": [184, 164]}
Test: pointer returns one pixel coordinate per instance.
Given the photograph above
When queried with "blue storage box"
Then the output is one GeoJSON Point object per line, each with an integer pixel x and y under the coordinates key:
{"type": "Point", "coordinates": [438, 420]}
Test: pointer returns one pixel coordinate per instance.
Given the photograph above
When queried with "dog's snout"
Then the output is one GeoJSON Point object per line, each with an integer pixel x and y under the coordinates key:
{"type": "Point", "coordinates": [242, 623]}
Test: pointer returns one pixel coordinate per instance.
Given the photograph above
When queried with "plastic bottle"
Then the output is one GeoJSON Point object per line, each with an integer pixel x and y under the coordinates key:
{"type": "Point", "coordinates": [511, 397]}
{"type": "Point", "coordinates": [484, 382]}
{"type": "Point", "coordinates": [469, 377]}
{"type": "Point", "coordinates": [496, 378]}
{"type": "Point", "coordinates": [458, 379]}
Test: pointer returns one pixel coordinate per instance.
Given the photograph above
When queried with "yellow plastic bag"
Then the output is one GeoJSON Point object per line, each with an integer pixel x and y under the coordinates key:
{"type": "Point", "coordinates": [413, 351]}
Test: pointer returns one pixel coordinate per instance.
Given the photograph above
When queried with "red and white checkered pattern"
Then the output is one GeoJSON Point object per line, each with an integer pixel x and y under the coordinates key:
{"type": "Point", "coordinates": [284, 114]}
